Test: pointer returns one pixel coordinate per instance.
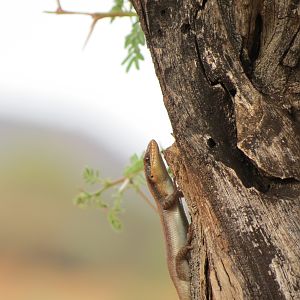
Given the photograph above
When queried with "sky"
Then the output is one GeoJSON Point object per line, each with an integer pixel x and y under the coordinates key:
{"type": "Point", "coordinates": [46, 78]}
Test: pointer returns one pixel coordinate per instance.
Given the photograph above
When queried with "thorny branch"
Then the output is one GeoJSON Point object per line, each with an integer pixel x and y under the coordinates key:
{"type": "Point", "coordinates": [95, 16]}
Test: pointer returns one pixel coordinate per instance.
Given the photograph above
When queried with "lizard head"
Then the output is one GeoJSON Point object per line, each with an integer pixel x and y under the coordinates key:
{"type": "Point", "coordinates": [155, 169]}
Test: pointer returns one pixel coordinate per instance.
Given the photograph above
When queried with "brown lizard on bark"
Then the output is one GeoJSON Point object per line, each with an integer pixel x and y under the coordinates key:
{"type": "Point", "coordinates": [173, 218]}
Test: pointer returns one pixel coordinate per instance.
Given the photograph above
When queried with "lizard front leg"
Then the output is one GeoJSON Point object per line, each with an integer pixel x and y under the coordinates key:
{"type": "Point", "coordinates": [171, 200]}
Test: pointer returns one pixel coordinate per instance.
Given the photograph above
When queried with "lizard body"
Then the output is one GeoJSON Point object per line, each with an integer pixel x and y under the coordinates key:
{"type": "Point", "coordinates": [173, 218]}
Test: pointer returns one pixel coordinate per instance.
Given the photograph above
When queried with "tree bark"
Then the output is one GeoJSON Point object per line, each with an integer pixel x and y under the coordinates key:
{"type": "Point", "coordinates": [230, 76]}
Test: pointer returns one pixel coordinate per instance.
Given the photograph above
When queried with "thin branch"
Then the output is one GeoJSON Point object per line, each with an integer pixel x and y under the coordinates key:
{"type": "Point", "coordinates": [116, 181]}
{"type": "Point", "coordinates": [126, 181]}
{"type": "Point", "coordinates": [137, 189]}
{"type": "Point", "coordinates": [141, 193]}
{"type": "Point", "coordinates": [108, 185]}
{"type": "Point", "coordinates": [96, 15]}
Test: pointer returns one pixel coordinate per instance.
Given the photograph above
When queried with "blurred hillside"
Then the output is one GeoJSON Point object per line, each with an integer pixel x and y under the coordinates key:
{"type": "Point", "coordinates": [51, 249]}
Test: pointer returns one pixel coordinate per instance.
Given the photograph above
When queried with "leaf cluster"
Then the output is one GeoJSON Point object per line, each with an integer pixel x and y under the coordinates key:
{"type": "Point", "coordinates": [133, 43]}
{"type": "Point", "coordinates": [135, 40]}
{"type": "Point", "coordinates": [133, 178]}
{"type": "Point", "coordinates": [118, 6]}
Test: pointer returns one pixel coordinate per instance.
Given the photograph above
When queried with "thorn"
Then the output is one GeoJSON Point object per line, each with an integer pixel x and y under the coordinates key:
{"type": "Point", "coordinates": [59, 9]}
{"type": "Point", "coordinates": [95, 20]}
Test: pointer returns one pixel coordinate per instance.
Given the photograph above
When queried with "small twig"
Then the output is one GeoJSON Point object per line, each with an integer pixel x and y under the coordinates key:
{"type": "Point", "coordinates": [141, 193]}
{"type": "Point", "coordinates": [96, 15]}
{"type": "Point", "coordinates": [138, 190]}
{"type": "Point", "coordinates": [117, 181]}
{"type": "Point", "coordinates": [124, 185]}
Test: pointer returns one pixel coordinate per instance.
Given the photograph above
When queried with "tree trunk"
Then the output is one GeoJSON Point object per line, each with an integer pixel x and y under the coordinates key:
{"type": "Point", "coordinates": [230, 76]}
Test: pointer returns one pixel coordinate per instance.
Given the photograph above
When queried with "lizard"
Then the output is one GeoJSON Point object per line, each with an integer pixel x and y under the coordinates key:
{"type": "Point", "coordinates": [174, 221]}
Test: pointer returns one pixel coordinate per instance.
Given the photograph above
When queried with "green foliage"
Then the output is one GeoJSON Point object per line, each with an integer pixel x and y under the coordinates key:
{"type": "Point", "coordinates": [133, 179]}
{"type": "Point", "coordinates": [134, 171]}
{"type": "Point", "coordinates": [135, 166]}
{"type": "Point", "coordinates": [117, 7]}
{"type": "Point", "coordinates": [114, 213]}
{"type": "Point", "coordinates": [135, 40]}
{"type": "Point", "coordinates": [91, 176]}
{"type": "Point", "coordinates": [133, 43]}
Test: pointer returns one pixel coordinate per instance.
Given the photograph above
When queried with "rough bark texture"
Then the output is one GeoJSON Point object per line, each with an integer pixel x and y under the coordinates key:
{"type": "Point", "coordinates": [230, 75]}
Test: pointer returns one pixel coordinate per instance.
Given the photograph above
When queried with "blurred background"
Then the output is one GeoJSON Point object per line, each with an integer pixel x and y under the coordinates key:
{"type": "Point", "coordinates": [61, 109]}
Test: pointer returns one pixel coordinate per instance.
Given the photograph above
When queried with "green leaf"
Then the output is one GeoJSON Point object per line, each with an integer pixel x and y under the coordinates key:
{"type": "Point", "coordinates": [82, 199]}
{"type": "Point", "coordinates": [117, 7]}
{"type": "Point", "coordinates": [100, 203]}
{"type": "Point", "coordinates": [136, 165]}
{"type": "Point", "coordinates": [114, 220]}
{"type": "Point", "coordinates": [133, 43]}
{"type": "Point", "coordinates": [126, 59]}
{"type": "Point", "coordinates": [90, 175]}
{"type": "Point", "coordinates": [129, 64]}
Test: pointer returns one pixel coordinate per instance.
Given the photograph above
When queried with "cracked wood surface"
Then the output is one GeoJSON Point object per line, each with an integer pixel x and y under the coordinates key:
{"type": "Point", "coordinates": [230, 76]}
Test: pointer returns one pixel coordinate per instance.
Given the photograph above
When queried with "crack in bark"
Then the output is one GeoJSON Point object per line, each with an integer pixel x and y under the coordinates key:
{"type": "Point", "coordinates": [201, 62]}
{"type": "Point", "coordinates": [207, 281]}
{"type": "Point", "coordinates": [287, 51]}
{"type": "Point", "coordinates": [283, 181]}
{"type": "Point", "coordinates": [218, 280]}
{"type": "Point", "coordinates": [229, 280]}
{"type": "Point", "coordinates": [202, 4]}
{"type": "Point", "coordinates": [255, 48]}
